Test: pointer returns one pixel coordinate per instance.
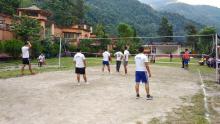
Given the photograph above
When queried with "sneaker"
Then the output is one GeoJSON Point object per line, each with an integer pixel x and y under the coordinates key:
{"type": "Point", "coordinates": [78, 84]}
{"type": "Point", "coordinates": [137, 96]}
{"type": "Point", "coordinates": [87, 83]}
{"type": "Point", "coordinates": [149, 97]}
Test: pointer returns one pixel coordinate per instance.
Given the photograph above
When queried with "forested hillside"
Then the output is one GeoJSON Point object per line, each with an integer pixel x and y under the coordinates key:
{"type": "Point", "coordinates": [206, 15]}
{"type": "Point", "coordinates": [109, 13]}
{"type": "Point", "coordinates": [141, 16]}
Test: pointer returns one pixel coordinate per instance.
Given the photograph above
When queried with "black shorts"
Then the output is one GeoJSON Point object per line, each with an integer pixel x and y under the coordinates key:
{"type": "Point", "coordinates": [25, 61]}
{"type": "Point", "coordinates": [80, 70]}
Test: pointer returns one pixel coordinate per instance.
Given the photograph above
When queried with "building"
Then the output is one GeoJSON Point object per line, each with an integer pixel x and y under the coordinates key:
{"type": "Point", "coordinates": [36, 13]}
{"type": "Point", "coordinates": [163, 49]}
{"type": "Point", "coordinates": [73, 33]}
{"type": "Point", "coordinates": [49, 29]}
{"type": "Point", "coordinates": [5, 22]}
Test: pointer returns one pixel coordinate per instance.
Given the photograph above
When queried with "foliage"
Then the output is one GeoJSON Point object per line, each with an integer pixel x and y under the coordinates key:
{"type": "Point", "coordinates": [205, 44]}
{"type": "Point", "coordinates": [126, 31]}
{"type": "Point", "coordinates": [65, 12]}
{"type": "Point", "coordinates": [141, 16]}
{"type": "Point", "coordinates": [36, 49]}
{"type": "Point", "coordinates": [191, 41]}
{"type": "Point", "coordinates": [165, 29]}
{"type": "Point", "coordinates": [206, 15]}
{"type": "Point", "coordinates": [26, 28]}
{"type": "Point", "coordinates": [1, 46]}
{"type": "Point", "coordinates": [13, 47]}
{"type": "Point", "coordinates": [85, 45]}
{"type": "Point", "coordinates": [9, 6]}
{"type": "Point", "coordinates": [99, 31]}
{"type": "Point", "coordinates": [72, 48]}
{"type": "Point", "coordinates": [50, 48]}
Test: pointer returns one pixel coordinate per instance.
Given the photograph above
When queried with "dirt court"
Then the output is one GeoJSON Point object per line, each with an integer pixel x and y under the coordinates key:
{"type": "Point", "coordinates": [55, 97]}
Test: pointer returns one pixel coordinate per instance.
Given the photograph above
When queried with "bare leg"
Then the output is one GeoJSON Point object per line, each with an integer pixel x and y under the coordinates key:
{"type": "Point", "coordinates": [103, 68]}
{"type": "Point", "coordinates": [147, 88]}
{"type": "Point", "coordinates": [78, 78]}
{"type": "Point", "coordinates": [137, 88]}
{"type": "Point", "coordinates": [108, 68]}
{"type": "Point", "coordinates": [30, 69]}
{"type": "Point", "coordinates": [22, 69]}
{"type": "Point", "coordinates": [126, 70]}
{"type": "Point", "coordinates": [85, 78]}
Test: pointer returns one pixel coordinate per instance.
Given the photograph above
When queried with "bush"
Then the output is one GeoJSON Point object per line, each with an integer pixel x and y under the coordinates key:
{"type": "Point", "coordinates": [72, 48]}
{"type": "Point", "coordinates": [1, 47]}
{"type": "Point", "coordinates": [36, 49]}
{"type": "Point", "coordinates": [54, 50]}
{"type": "Point", "coordinates": [13, 47]}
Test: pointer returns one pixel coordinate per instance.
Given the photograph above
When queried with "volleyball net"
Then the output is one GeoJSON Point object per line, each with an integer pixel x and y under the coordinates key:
{"type": "Point", "coordinates": [160, 46]}
{"type": "Point", "coordinates": [205, 48]}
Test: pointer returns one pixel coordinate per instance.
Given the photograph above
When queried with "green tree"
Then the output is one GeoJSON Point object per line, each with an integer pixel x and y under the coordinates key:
{"type": "Point", "coordinates": [9, 6]}
{"type": "Point", "coordinates": [65, 12]}
{"type": "Point", "coordinates": [13, 47]}
{"type": "Point", "coordinates": [101, 33]}
{"type": "Point", "coordinates": [191, 41]}
{"type": "Point", "coordinates": [80, 10]}
{"type": "Point", "coordinates": [125, 30]}
{"type": "Point", "coordinates": [205, 43]}
{"type": "Point", "coordinates": [26, 28]}
{"type": "Point", "coordinates": [165, 29]}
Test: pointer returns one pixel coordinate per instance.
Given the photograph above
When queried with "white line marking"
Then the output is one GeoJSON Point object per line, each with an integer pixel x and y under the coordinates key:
{"type": "Point", "coordinates": [207, 115]}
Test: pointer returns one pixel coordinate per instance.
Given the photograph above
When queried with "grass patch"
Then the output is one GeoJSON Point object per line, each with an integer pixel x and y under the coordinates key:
{"type": "Point", "coordinates": [193, 65]}
{"type": "Point", "coordinates": [191, 114]}
{"type": "Point", "coordinates": [12, 68]}
{"type": "Point", "coordinates": [213, 90]}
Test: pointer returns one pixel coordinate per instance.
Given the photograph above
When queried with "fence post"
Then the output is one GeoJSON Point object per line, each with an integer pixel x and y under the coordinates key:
{"type": "Point", "coordinates": [60, 53]}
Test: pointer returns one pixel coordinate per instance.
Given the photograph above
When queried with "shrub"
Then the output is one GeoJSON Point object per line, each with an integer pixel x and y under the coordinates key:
{"type": "Point", "coordinates": [72, 48]}
{"type": "Point", "coordinates": [13, 47]}
{"type": "Point", "coordinates": [36, 49]}
{"type": "Point", "coordinates": [1, 47]}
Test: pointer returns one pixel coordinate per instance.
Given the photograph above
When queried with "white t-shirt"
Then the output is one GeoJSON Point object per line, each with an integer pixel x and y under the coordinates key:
{"type": "Point", "coordinates": [119, 56]}
{"type": "Point", "coordinates": [41, 58]}
{"type": "Point", "coordinates": [126, 55]}
{"type": "Point", "coordinates": [106, 56]}
{"type": "Point", "coordinates": [79, 58]}
{"type": "Point", "coordinates": [140, 60]}
{"type": "Point", "coordinates": [25, 52]}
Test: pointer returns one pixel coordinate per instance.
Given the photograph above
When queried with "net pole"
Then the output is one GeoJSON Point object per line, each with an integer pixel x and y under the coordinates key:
{"type": "Point", "coordinates": [216, 53]}
{"type": "Point", "coordinates": [60, 52]}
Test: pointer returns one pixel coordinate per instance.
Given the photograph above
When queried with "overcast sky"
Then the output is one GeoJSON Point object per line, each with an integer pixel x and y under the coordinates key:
{"type": "Point", "coordinates": [202, 2]}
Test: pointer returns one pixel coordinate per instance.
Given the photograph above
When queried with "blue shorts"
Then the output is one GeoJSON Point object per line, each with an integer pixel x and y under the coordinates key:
{"type": "Point", "coordinates": [141, 76]}
{"type": "Point", "coordinates": [186, 61]}
{"type": "Point", "coordinates": [105, 62]}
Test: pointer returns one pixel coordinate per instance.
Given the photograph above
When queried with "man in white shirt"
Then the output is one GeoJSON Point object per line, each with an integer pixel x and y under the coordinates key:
{"type": "Point", "coordinates": [142, 72]}
{"type": "Point", "coordinates": [126, 57]}
{"type": "Point", "coordinates": [80, 65]}
{"type": "Point", "coordinates": [119, 57]}
{"type": "Point", "coordinates": [106, 58]}
{"type": "Point", "coordinates": [25, 57]}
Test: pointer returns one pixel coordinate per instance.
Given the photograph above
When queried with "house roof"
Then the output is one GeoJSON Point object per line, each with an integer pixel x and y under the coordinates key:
{"type": "Point", "coordinates": [36, 9]}
{"type": "Point", "coordinates": [33, 7]}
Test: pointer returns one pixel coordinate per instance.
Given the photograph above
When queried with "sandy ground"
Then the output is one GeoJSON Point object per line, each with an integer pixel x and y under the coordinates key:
{"type": "Point", "coordinates": [55, 98]}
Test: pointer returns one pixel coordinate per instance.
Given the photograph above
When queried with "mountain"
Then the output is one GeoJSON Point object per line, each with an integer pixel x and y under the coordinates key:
{"type": "Point", "coordinates": [203, 14]}
{"type": "Point", "coordinates": [157, 3]}
{"type": "Point", "coordinates": [142, 17]}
